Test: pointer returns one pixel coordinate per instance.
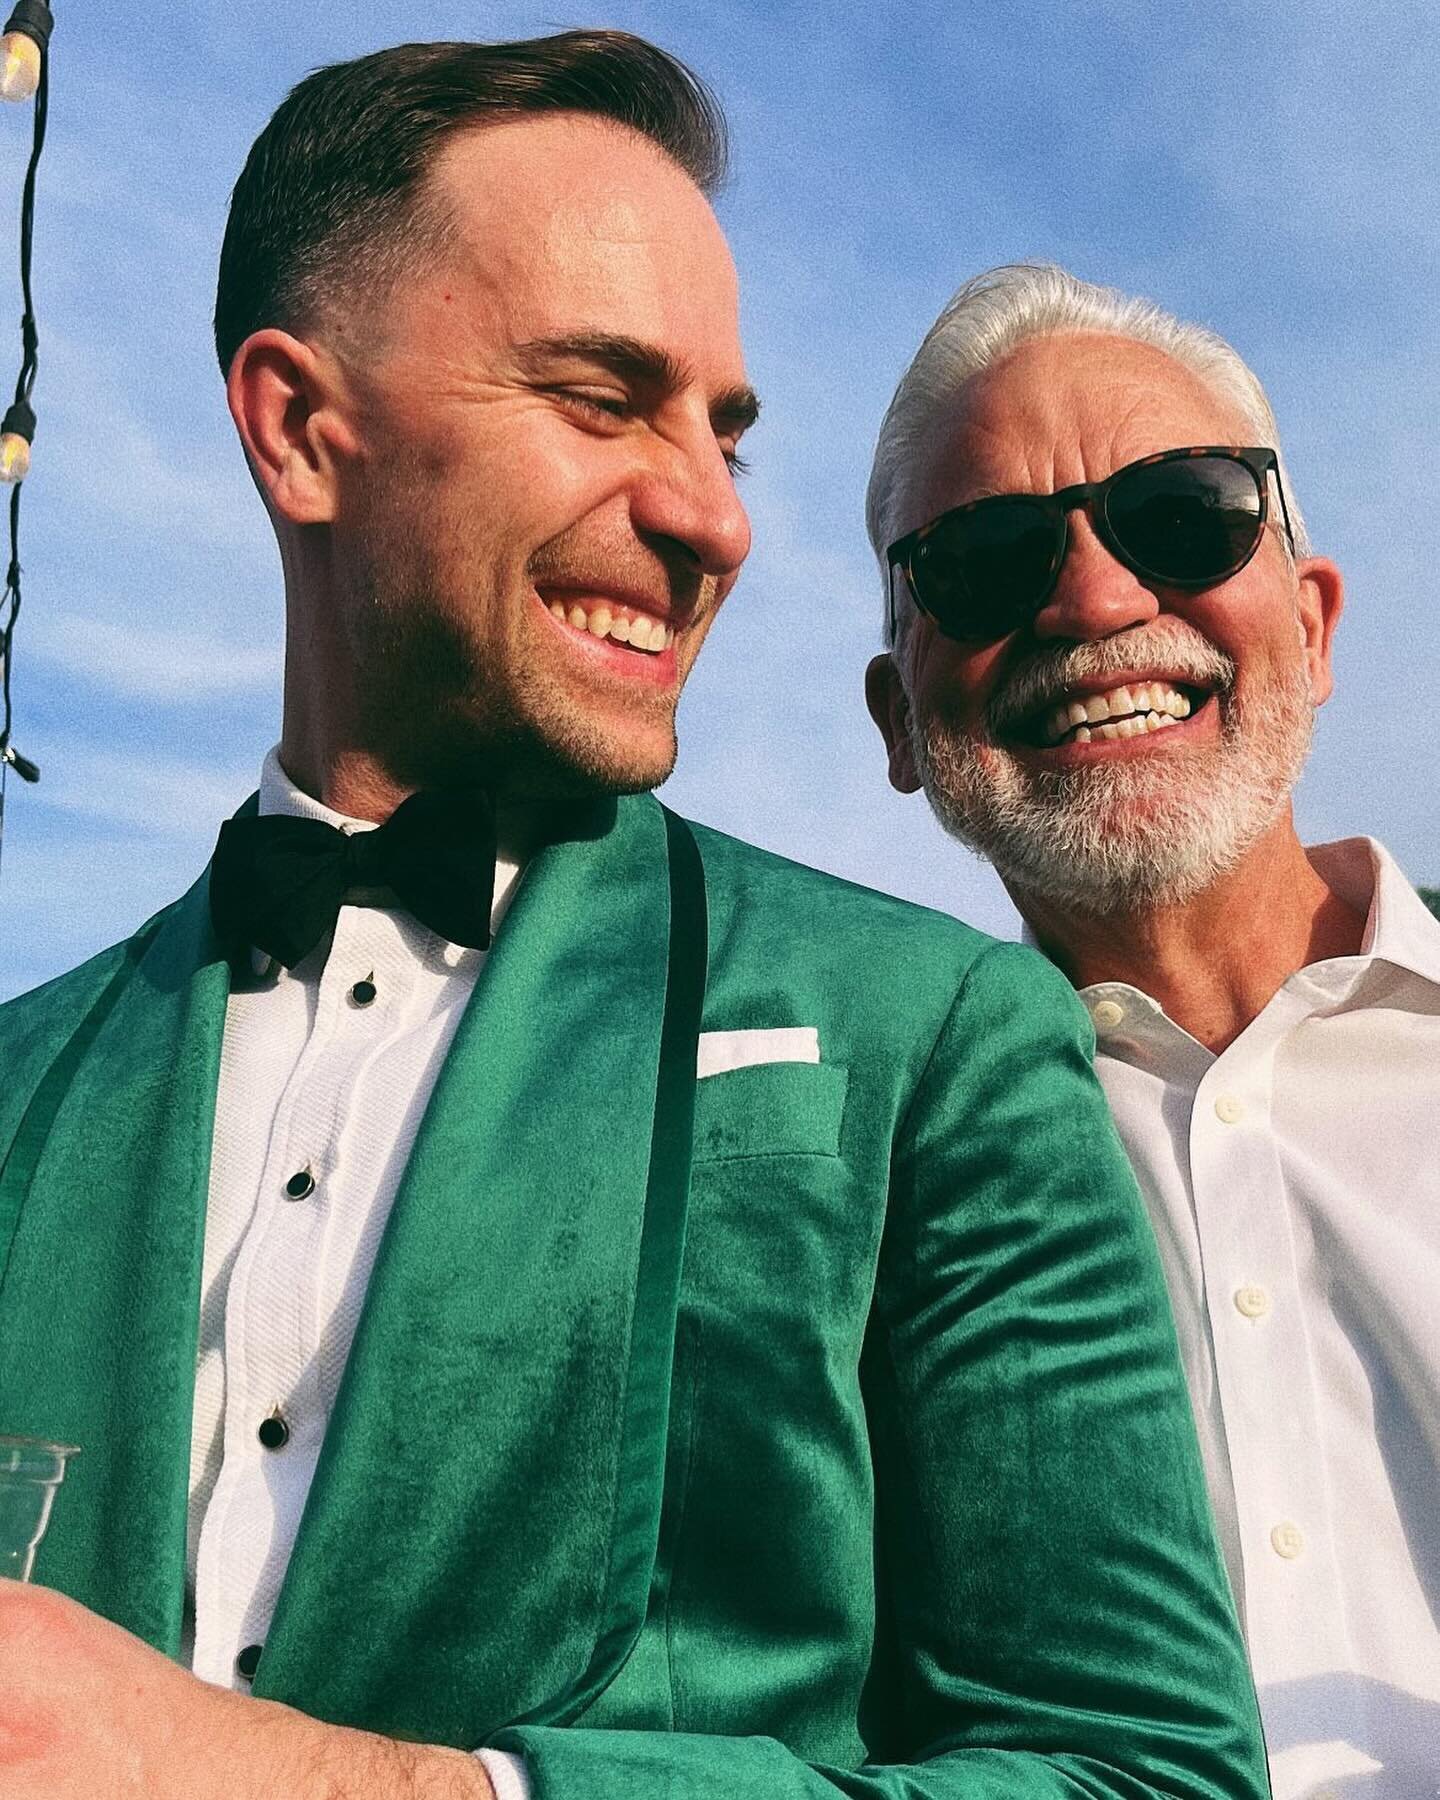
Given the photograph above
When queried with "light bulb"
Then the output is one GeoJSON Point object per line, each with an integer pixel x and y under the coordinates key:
{"type": "Point", "coordinates": [14, 458]}
{"type": "Point", "coordinates": [19, 66]}
{"type": "Point", "coordinates": [17, 433]}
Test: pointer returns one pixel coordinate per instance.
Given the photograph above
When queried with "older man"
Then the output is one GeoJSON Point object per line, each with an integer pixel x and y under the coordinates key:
{"type": "Point", "coordinates": [1110, 637]}
{"type": "Point", "coordinates": [697, 1347]}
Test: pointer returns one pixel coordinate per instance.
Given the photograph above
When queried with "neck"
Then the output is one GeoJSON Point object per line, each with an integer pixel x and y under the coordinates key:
{"type": "Point", "coordinates": [348, 780]}
{"type": "Point", "coordinates": [1216, 961]}
{"type": "Point", "coordinates": [327, 744]}
{"type": "Point", "coordinates": [322, 741]}
{"type": "Point", "coordinates": [322, 751]}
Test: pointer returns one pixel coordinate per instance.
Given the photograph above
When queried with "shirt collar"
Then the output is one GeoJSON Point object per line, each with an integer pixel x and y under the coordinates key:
{"type": "Point", "coordinates": [1399, 928]}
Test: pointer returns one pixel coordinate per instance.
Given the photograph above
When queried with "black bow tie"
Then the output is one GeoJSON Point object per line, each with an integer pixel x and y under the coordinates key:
{"type": "Point", "coordinates": [278, 882]}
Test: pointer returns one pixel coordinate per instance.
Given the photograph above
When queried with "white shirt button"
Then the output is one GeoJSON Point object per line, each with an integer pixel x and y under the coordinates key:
{"type": "Point", "coordinates": [1107, 1014]}
{"type": "Point", "coordinates": [1229, 1109]}
{"type": "Point", "coordinates": [1253, 1301]}
{"type": "Point", "coordinates": [1287, 1540]}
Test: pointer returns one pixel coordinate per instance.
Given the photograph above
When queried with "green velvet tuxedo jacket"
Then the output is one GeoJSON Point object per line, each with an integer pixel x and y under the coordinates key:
{"type": "Point", "coordinates": [859, 1462]}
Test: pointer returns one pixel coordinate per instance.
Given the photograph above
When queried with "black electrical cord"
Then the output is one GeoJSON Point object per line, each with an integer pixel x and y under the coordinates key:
{"type": "Point", "coordinates": [34, 17]}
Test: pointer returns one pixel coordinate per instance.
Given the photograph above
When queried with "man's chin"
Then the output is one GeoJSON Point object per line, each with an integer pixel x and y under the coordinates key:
{"type": "Point", "coordinates": [1113, 841]}
{"type": "Point", "coordinates": [524, 754]}
{"type": "Point", "coordinates": [580, 764]}
{"type": "Point", "coordinates": [568, 782]}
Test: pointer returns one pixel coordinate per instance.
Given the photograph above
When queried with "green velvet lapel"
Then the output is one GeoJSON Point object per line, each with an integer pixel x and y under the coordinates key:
{"type": "Point", "coordinates": [480, 1536]}
{"type": "Point", "coordinates": [107, 1180]}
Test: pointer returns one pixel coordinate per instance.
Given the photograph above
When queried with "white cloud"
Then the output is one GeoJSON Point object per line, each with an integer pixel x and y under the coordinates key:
{"type": "Point", "coordinates": [152, 664]}
{"type": "Point", "coordinates": [150, 795]}
{"type": "Point", "coordinates": [114, 456]}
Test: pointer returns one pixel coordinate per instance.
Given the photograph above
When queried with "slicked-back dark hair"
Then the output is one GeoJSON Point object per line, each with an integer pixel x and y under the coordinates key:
{"type": "Point", "coordinates": [330, 196]}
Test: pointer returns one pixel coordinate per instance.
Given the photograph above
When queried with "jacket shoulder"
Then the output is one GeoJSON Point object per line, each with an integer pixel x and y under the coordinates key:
{"type": "Point", "coordinates": [817, 914]}
{"type": "Point", "coordinates": [57, 1006]}
{"type": "Point", "coordinates": [36, 1026]}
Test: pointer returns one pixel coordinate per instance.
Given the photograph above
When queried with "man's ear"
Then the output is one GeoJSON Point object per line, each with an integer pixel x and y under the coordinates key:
{"type": "Point", "coordinates": [890, 709]}
{"type": "Point", "coordinates": [1319, 600]}
{"type": "Point", "coordinates": [286, 400]}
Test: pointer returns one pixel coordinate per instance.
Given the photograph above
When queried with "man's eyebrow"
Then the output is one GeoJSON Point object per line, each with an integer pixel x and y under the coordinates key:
{"type": "Point", "coordinates": [643, 365]}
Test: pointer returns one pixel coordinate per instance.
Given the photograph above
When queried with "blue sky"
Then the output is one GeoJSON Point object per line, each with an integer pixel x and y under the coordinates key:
{"type": "Point", "coordinates": [1274, 172]}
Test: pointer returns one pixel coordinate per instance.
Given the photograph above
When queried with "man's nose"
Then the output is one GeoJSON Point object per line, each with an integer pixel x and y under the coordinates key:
{"type": "Point", "coordinates": [687, 495]}
{"type": "Point", "coordinates": [1094, 595]}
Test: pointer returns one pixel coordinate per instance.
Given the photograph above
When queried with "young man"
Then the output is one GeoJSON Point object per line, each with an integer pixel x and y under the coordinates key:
{"type": "Point", "coordinates": [810, 1427]}
{"type": "Point", "coordinates": [1110, 639]}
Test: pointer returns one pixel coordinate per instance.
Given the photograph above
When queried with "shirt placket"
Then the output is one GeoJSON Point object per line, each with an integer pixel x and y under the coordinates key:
{"type": "Point", "coordinates": [1253, 1251]}
{"type": "Point", "coordinates": [275, 1402]}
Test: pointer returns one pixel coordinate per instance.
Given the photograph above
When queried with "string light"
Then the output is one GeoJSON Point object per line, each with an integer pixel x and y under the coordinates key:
{"type": "Point", "coordinates": [17, 433]}
{"type": "Point", "coordinates": [24, 71]}
{"type": "Point", "coordinates": [20, 59]}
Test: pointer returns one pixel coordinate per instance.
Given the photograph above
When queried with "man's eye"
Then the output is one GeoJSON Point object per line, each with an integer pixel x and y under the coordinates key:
{"type": "Point", "coordinates": [588, 400]}
{"type": "Point", "coordinates": [736, 463]}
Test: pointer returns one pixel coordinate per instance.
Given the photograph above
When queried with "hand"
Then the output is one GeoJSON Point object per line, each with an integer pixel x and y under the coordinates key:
{"type": "Point", "coordinates": [88, 1712]}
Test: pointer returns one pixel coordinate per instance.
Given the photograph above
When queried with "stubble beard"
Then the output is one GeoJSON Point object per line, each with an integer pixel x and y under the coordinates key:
{"type": "Point", "coordinates": [438, 710]}
{"type": "Point", "coordinates": [1125, 835]}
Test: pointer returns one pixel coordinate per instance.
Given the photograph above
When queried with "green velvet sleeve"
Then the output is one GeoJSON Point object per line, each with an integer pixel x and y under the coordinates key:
{"type": "Point", "coordinates": [1055, 1619]}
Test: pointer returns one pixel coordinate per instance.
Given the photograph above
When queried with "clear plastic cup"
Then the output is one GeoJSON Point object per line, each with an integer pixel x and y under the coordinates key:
{"type": "Point", "coordinates": [30, 1472]}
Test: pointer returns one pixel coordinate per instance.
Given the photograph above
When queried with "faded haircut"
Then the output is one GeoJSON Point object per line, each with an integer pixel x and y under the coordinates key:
{"type": "Point", "coordinates": [332, 201]}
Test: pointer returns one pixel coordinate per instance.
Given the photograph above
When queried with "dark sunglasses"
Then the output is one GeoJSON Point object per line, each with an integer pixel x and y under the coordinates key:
{"type": "Point", "coordinates": [1182, 518]}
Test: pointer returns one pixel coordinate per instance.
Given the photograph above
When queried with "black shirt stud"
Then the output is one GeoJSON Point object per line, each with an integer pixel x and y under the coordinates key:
{"type": "Point", "coordinates": [274, 1433]}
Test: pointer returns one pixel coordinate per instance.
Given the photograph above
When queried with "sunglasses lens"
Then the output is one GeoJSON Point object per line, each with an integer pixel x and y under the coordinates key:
{"type": "Point", "coordinates": [1189, 522]}
{"type": "Point", "coordinates": [981, 572]}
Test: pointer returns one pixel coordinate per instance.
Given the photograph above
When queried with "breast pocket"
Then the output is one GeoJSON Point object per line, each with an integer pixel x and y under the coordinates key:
{"type": "Point", "coordinates": [770, 1109]}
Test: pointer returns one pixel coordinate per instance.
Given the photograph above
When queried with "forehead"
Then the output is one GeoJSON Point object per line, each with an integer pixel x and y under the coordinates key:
{"type": "Point", "coordinates": [565, 222]}
{"type": "Point", "coordinates": [1060, 409]}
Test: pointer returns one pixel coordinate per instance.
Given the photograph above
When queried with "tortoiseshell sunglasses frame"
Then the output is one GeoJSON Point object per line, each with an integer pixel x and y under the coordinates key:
{"type": "Point", "coordinates": [1260, 460]}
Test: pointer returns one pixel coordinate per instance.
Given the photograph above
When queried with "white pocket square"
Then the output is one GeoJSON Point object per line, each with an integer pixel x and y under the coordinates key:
{"type": "Point", "coordinates": [720, 1051]}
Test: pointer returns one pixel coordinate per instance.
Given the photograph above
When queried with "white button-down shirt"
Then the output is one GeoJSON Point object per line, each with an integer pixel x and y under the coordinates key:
{"type": "Point", "coordinates": [321, 1092]}
{"type": "Point", "coordinates": [1294, 1185]}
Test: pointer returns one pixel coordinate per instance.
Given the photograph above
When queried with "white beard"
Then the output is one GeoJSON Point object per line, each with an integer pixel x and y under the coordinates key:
{"type": "Point", "coordinates": [1130, 834]}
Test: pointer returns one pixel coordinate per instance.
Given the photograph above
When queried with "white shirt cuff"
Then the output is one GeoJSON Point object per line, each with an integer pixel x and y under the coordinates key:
{"type": "Point", "coordinates": [507, 1774]}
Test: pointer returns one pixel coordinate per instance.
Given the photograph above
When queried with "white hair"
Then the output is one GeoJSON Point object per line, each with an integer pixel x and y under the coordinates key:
{"type": "Point", "coordinates": [992, 314]}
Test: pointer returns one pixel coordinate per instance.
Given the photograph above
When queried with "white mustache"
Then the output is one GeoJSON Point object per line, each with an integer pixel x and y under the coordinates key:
{"type": "Point", "coordinates": [1169, 646]}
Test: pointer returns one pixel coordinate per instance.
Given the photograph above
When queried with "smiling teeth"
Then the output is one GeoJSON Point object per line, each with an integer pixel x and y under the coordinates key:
{"type": "Point", "coordinates": [1135, 726]}
{"type": "Point", "coordinates": [637, 630]}
{"type": "Point", "coordinates": [1124, 712]}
